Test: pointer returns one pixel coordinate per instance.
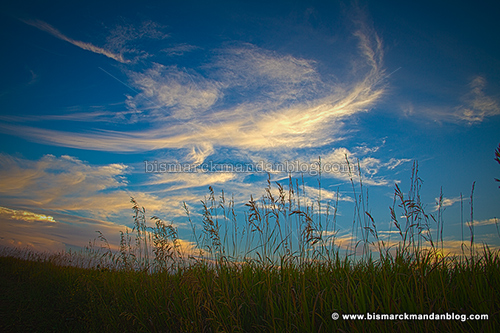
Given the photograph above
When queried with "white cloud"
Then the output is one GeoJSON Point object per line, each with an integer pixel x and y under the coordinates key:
{"type": "Point", "coordinates": [47, 202]}
{"type": "Point", "coordinates": [273, 76]}
{"type": "Point", "coordinates": [492, 221]}
{"type": "Point", "coordinates": [446, 202]}
{"type": "Point", "coordinates": [170, 91]}
{"type": "Point", "coordinates": [199, 153]}
{"type": "Point", "coordinates": [477, 105]}
{"type": "Point", "coordinates": [395, 162]}
{"type": "Point", "coordinates": [83, 45]}
{"type": "Point", "coordinates": [326, 195]}
{"type": "Point", "coordinates": [283, 104]}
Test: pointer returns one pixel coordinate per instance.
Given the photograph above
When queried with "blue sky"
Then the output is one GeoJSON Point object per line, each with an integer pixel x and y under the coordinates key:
{"type": "Point", "coordinates": [90, 91]}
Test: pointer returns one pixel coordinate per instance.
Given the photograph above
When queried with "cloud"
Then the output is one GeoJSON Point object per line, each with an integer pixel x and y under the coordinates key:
{"type": "Point", "coordinates": [24, 229]}
{"type": "Point", "coordinates": [57, 176]}
{"type": "Point", "coordinates": [391, 239]}
{"type": "Point", "coordinates": [472, 107]}
{"type": "Point", "coordinates": [492, 221]}
{"type": "Point", "coordinates": [123, 34]}
{"type": "Point", "coordinates": [191, 179]}
{"type": "Point", "coordinates": [272, 76]}
{"type": "Point", "coordinates": [63, 183]}
{"type": "Point", "coordinates": [200, 153]}
{"type": "Point", "coordinates": [369, 166]}
{"type": "Point", "coordinates": [326, 195]}
{"type": "Point", "coordinates": [58, 202]}
{"type": "Point", "coordinates": [67, 184]}
{"type": "Point", "coordinates": [179, 50]}
{"type": "Point", "coordinates": [91, 116]}
{"type": "Point", "coordinates": [243, 101]}
{"type": "Point", "coordinates": [447, 202]}
{"type": "Point", "coordinates": [25, 215]}
{"type": "Point", "coordinates": [55, 232]}
{"type": "Point", "coordinates": [477, 105]}
{"type": "Point", "coordinates": [128, 38]}
{"type": "Point", "coordinates": [83, 45]}
{"type": "Point", "coordinates": [249, 99]}
{"type": "Point", "coordinates": [167, 91]}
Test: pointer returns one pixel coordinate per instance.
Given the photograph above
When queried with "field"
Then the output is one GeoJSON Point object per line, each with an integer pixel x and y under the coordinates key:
{"type": "Point", "coordinates": [284, 271]}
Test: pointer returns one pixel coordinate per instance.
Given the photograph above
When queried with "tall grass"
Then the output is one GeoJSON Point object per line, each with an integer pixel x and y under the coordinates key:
{"type": "Point", "coordinates": [285, 269]}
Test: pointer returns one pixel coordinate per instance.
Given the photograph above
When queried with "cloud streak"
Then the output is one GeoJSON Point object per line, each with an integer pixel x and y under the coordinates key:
{"type": "Point", "coordinates": [492, 221]}
{"type": "Point", "coordinates": [83, 45]}
{"type": "Point", "coordinates": [25, 215]}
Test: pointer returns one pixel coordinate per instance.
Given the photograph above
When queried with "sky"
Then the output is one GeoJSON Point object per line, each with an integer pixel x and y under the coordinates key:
{"type": "Point", "coordinates": [98, 100]}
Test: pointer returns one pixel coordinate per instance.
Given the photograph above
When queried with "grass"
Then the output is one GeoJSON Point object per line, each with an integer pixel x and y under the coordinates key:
{"type": "Point", "coordinates": [285, 270]}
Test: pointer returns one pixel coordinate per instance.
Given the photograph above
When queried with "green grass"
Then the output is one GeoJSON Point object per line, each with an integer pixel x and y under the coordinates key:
{"type": "Point", "coordinates": [41, 296]}
{"type": "Point", "coordinates": [282, 272]}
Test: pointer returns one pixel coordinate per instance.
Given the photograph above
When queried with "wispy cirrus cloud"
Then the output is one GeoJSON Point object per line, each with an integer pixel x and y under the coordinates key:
{"type": "Point", "coordinates": [91, 116]}
{"type": "Point", "coordinates": [167, 91]}
{"type": "Point", "coordinates": [246, 126]}
{"type": "Point", "coordinates": [83, 45]}
{"type": "Point", "coordinates": [245, 98]}
{"type": "Point", "coordinates": [265, 75]}
{"type": "Point", "coordinates": [472, 106]}
{"type": "Point", "coordinates": [180, 49]}
{"type": "Point", "coordinates": [129, 39]}
{"type": "Point", "coordinates": [477, 105]}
